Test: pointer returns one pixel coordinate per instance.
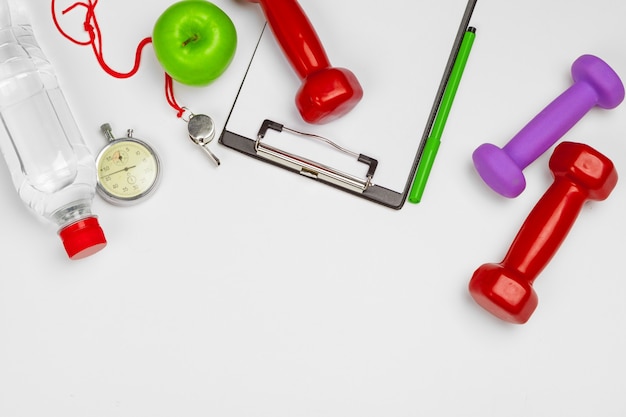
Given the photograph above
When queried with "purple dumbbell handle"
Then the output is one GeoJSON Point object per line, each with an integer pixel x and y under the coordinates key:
{"type": "Point", "coordinates": [545, 129]}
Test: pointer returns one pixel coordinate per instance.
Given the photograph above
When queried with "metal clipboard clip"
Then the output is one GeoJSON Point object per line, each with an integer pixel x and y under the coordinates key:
{"type": "Point", "coordinates": [311, 168]}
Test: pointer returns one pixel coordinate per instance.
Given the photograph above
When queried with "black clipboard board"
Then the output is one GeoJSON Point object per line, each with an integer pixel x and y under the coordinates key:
{"type": "Point", "coordinates": [404, 70]}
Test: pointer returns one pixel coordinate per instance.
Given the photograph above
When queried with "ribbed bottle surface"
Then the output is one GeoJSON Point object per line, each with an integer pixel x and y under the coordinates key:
{"type": "Point", "coordinates": [51, 167]}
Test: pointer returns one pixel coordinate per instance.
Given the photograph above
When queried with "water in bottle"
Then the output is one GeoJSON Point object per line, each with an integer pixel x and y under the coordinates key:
{"type": "Point", "coordinates": [51, 167]}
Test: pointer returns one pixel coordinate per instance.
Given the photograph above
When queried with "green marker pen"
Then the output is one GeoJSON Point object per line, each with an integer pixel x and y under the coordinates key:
{"type": "Point", "coordinates": [434, 139]}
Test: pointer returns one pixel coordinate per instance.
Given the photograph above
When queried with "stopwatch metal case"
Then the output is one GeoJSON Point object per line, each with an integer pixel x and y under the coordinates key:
{"type": "Point", "coordinates": [128, 169]}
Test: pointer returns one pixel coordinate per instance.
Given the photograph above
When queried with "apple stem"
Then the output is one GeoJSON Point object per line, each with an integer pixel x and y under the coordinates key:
{"type": "Point", "coordinates": [191, 39]}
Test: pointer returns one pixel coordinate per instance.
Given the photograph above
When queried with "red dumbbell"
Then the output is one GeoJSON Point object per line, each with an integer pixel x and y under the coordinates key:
{"type": "Point", "coordinates": [326, 92]}
{"type": "Point", "coordinates": [580, 173]}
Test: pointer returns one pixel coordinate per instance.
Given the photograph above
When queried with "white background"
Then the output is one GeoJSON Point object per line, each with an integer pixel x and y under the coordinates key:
{"type": "Point", "coordinates": [247, 291]}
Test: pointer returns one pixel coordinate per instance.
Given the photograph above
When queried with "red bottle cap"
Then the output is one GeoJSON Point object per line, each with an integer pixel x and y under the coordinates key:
{"type": "Point", "coordinates": [83, 238]}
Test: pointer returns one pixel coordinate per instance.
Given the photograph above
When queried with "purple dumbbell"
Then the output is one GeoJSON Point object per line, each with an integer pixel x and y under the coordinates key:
{"type": "Point", "coordinates": [595, 84]}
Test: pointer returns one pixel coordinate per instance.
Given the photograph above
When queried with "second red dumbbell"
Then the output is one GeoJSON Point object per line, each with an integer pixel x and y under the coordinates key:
{"type": "Point", "coordinates": [326, 93]}
{"type": "Point", "coordinates": [505, 289]}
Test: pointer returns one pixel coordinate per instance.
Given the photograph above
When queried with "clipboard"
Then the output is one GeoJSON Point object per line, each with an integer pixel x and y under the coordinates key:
{"type": "Point", "coordinates": [401, 53]}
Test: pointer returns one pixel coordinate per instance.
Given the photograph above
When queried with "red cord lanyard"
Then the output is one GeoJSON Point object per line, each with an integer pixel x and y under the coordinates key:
{"type": "Point", "coordinates": [95, 40]}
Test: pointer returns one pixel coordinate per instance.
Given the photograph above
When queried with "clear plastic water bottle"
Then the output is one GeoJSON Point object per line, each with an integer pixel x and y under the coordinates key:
{"type": "Point", "coordinates": [51, 167]}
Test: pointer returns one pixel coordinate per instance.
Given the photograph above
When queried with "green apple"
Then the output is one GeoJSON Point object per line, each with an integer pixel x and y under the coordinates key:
{"type": "Point", "coordinates": [194, 41]}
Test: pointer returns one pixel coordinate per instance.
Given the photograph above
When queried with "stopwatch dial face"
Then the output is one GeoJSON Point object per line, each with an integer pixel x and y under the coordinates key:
{"type": "Point", "coordinates": [128, 170]}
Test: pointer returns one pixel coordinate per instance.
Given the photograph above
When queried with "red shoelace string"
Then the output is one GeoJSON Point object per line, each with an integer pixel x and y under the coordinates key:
{"type": "Point", "coordinates": [90, 25]}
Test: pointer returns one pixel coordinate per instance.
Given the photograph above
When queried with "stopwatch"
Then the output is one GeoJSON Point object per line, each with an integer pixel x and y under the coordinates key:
{"type": "Point", "coordinates": [128, 169]}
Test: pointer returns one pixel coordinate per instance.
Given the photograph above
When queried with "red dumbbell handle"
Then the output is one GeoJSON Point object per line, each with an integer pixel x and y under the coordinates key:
{"type": "Point", "coordinates": [296, 36]}
{"type": "Point", "coordinates": [545, 228]}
